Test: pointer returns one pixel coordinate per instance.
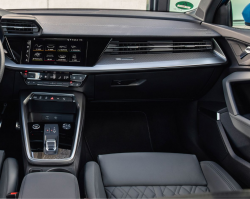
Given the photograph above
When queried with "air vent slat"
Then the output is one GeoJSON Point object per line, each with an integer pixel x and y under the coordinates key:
{"type": "Point", "coordinates": [116, 47]}
{"type": "Point", "coordinates": [19, 27]}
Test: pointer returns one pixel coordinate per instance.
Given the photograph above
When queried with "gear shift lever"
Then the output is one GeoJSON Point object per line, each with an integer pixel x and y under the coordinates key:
{"type": "Point", "coordinates": [51, 139]}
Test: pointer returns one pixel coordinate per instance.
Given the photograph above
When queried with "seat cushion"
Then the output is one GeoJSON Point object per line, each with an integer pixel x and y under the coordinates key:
{"type": "Point", "coordinates": [154, 175]}
{"type": "Point", "coordinates": [150, 169]}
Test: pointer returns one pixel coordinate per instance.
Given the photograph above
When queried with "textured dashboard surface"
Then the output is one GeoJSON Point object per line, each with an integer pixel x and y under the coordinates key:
{"type": "Point", "coordinates": [113, 13]}
{"type": "Point", "coordinates": [112, 26]}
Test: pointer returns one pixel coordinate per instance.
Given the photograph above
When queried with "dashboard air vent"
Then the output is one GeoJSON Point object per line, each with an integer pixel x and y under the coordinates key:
{"type": "Point", "coordinates": [151, 47]}
{"type": "Point", "coordinates": [15, 24]}
{"type": "Point", "coordinates": [19, 27]}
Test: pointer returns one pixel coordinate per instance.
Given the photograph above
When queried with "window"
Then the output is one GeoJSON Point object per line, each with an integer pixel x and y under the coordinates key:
{"type": "Point", "coordinates": [88, 4]}
{"type": "Point", "coordinates": [238, 6]}
{"type": "Point", "coordinates": [174, 5]}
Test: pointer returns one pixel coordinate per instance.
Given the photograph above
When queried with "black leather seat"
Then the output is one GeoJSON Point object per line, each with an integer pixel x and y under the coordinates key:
{"type": "Point", "coordinates": [9, 175]}
{"type": "Point", "coordinates": [154, 175]}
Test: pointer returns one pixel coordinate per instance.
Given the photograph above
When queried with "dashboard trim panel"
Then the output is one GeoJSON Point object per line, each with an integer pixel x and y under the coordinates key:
{"type": "Point", "coordinates": [193, 61]}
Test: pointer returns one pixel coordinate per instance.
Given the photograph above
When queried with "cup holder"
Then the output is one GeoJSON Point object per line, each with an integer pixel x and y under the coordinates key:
{"type": "Point", "coordinates": [59, 170]}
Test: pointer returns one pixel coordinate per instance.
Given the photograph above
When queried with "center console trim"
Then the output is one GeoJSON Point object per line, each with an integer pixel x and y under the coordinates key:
{"type": "Point", "coordinates": [24, 115]}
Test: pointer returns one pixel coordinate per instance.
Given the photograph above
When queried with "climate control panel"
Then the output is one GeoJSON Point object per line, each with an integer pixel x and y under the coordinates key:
{"type": "Point", "coordinates": [53, 79]}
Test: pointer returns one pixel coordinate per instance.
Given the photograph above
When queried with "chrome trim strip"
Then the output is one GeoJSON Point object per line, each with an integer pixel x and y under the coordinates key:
{"type": "Point", "coordinates": [8, 45]}
{"type": "Point", "coordinates": [218, 116]}
{"type": "Point", "coordinates": [217, 50]}
{"type": "Point", "coordinates": [51, 85]}
{"type": "Point", "coordinates": [26, 135]}
{"type": "Point", "coordinates": [170, 46]}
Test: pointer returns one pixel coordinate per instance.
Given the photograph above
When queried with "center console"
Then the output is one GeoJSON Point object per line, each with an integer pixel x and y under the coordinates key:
{"type": "Point", "coordinates": [51, 126]}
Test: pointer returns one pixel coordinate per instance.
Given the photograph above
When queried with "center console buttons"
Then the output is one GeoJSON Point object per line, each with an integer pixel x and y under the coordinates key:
{"type": "Point", "coordinates": [53, 79]}
{"type": "Point", "coordinates": [77, 77]}
{"type": "Point", "coordinates": [66, 126]}
{"type": "Point", "coordinates": [36, 126]}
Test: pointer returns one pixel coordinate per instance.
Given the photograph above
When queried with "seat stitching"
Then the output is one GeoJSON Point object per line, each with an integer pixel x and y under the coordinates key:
{"type": "Point", "coordinates": [194, 189]}
{"type": "Point", "coordinates": [178, 190]}
{"type": "Point", "coordinates": [182, 187]}
{"type": "Point", "coordinates": [109, 196]}
{"type": "Point", "coordinates": [223, 177]}
{"type": "Point", "coordinates": [112, 192]}
{"type": "Point", "coordinates": [152, 190]}
{"type": "Point", "coordinates": [166, 187]}
{"type": "Point", "coordinates": [164, 190]}
{"type": "Point", "coordinates": [137, 190]}
{"type": "Point", "coordinates": [120, 188]}
{"type": "Point", "coordinates": [128, 192]}
{"type": "Point", "coordinates": [143, 194]}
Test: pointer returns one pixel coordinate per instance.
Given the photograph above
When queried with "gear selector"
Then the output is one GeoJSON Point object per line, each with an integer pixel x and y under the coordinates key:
{"type": "Point", "coordinates": [51, 139]}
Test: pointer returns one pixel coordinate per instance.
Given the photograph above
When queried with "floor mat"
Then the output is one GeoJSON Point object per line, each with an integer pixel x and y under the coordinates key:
{"type": "Point", "coordinates": [117, 132]}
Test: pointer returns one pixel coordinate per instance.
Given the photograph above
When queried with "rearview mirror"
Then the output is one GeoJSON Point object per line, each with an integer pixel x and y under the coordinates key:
{"type": "Point", "coordinates": [246, 15]}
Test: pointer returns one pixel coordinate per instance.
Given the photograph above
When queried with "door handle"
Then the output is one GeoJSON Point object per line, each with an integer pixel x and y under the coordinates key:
{"type": "Point", "coordinates": [127, 82]}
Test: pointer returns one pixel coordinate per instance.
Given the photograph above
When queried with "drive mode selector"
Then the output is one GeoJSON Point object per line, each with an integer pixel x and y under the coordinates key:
{"type": "Point", "coordinates": [66, 126]}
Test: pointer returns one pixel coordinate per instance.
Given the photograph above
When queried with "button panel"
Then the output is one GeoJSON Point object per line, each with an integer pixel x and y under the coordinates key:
{"type": "Point", "coordinates": [51, 98]}
{"type": "Point", "coordinates": [53, 79]}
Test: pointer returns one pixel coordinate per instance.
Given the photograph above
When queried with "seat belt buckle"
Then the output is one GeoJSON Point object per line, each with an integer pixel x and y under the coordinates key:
{"type": "Point", "coordinates": [12, 195]}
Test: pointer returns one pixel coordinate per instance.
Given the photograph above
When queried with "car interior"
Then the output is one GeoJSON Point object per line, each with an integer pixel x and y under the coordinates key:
{"type": "Point", "coordinates": [108, 103]}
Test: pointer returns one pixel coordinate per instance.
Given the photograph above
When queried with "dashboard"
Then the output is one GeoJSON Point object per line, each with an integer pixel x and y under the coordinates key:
{"type": "Point", "coordinates": [111, 54]}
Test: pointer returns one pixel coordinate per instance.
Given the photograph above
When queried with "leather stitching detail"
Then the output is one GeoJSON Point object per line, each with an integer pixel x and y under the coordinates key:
{"type": "Point", "coordinates": [150, 191]}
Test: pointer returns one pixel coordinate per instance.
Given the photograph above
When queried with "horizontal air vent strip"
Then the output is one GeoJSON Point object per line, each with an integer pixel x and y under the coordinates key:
{"type": "Point", "coordinates": [18, 27]}
{"type": "Point", "coordinates": [116, 47]}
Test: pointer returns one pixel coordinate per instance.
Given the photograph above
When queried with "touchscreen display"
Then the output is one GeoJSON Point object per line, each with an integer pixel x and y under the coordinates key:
{"type": "Point", "coordinates": [56, 51]}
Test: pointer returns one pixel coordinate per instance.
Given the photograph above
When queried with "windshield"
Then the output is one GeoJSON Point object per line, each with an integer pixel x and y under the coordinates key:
{"type": "Point", "coordinates": [174, 5]}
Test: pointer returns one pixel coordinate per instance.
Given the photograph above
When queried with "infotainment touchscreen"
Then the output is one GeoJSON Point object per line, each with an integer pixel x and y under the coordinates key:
{"type": "Point", "coordinates": [57, 51]}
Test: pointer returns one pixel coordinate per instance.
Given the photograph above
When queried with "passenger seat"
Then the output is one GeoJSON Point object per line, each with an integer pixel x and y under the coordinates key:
{"type": "Point", "coordinates": [154, 175]}
{"type": "Point", "coordinates": [9, 175]}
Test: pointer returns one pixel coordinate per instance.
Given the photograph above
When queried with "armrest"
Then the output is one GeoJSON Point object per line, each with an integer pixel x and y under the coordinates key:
{"type": "Point", "coordinates": [49, 185]}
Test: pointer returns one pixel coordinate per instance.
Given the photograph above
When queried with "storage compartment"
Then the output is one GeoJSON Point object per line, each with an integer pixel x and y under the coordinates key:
{"type": "Point", "coordinates": [175, 84]}
{"type": "Point", "coordinates": [241, 96]}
